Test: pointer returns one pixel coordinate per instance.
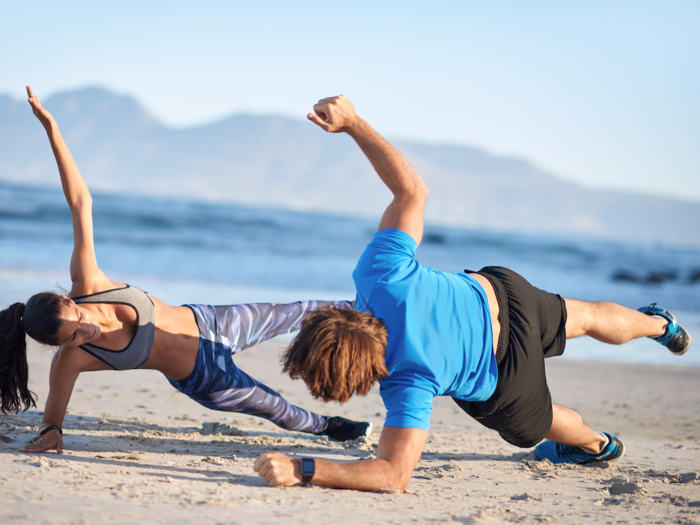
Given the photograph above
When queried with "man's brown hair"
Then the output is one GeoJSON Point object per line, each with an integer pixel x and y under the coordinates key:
{"type": "Point", "coordinates": [338, 353]}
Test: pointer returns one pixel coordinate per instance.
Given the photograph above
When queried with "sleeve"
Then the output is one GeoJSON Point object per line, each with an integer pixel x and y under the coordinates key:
{"type": "Point", "coordinates": [407, 407]}
{"type": "Point", "coordinates": [258, 322]}
{"type": "Point", "coordinates": [389, 251]}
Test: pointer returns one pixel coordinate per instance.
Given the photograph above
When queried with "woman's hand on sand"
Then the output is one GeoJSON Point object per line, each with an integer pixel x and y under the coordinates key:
{"type": "Point", "coordinates": [52, 440]}
{"type": "Point", "coordinates": [277, 469]}
{"type": "Point", "coordinates": [44, 116]}
{"type": "Point", "coordinates": [334, 114]}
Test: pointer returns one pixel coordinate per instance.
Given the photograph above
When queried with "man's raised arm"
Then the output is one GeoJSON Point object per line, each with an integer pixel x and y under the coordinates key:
{"type": "Point", "coordinates": [336, 115]}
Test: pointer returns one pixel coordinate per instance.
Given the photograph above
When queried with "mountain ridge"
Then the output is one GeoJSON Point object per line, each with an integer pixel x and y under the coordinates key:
{"type": "Point", "coordinates": [276, 161]}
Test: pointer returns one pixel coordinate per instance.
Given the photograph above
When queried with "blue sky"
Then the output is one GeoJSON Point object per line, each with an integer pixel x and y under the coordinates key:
{"type": "Point", "coordinates": [604, 93]}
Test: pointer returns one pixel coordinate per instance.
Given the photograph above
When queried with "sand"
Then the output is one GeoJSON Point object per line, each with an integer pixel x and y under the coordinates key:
{"type": "Point", "coordinates": [138, 451]}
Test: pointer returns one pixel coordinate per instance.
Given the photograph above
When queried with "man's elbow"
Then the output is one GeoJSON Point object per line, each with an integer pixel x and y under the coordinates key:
{"type": "Point", "coordinates": [399, 479]}
{"type": "Point", "coordinates": [424, 191]}
{"type": "Point", "coordinates": [413, 196]}
{"type": "Point", "coordinates": [420, 191]}
{"type": "Point", "coordinates": [403, 484]}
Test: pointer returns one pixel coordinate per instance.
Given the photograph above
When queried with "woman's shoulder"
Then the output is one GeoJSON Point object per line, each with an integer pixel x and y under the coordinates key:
{"type": "Point", "coordinates": [73, 359]}
{"type": "Point", "coordinates": [83, 288]}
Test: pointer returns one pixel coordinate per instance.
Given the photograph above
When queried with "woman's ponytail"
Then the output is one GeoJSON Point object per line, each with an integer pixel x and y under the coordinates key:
{"type": "Point", "coordinates": [14, 369]}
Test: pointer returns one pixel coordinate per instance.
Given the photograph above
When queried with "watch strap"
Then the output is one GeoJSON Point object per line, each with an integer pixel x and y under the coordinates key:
{"type": "Point", "coordinates": [49, 427]}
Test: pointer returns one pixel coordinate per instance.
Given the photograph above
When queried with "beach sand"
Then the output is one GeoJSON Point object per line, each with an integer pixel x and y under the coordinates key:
{"type": "Point", "coordinates": [138, 451]}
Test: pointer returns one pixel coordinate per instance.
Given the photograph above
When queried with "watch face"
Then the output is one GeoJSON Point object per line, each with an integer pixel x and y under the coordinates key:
{"type": "Point", "coordinates": [307, 467]}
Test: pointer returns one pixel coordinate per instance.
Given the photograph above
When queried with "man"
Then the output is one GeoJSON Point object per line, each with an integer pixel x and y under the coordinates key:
{"type": "Point", "coordinates": [479, 337]}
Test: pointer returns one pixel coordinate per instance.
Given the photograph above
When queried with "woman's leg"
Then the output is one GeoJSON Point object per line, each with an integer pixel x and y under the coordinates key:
{"type": "Point", "coordinates": [236, 391]}
{"type": "Point", "coordinates": [217, 383]}
{"type": "Point", "coordinates": [241, 326]}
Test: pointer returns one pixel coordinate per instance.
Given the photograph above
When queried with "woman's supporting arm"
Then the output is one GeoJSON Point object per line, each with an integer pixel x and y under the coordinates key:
{"type": "Point", "coordinates": [64, 373]}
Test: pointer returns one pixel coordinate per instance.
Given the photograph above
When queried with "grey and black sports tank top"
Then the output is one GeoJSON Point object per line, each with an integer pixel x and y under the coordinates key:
{"type": "Point", "coordinates": [139, 348]}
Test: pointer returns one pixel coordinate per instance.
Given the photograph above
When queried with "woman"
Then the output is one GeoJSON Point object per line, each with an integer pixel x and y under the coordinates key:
{"type": "Point", "coordinates": [105, 325]}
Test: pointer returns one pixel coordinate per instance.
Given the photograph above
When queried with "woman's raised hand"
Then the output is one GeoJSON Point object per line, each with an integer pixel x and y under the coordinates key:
{"type": "Point", "coordinates": [44, 116]}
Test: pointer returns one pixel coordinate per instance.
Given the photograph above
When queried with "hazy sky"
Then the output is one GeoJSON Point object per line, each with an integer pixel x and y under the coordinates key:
{"type": "Point", "coordinates": [606, 93]}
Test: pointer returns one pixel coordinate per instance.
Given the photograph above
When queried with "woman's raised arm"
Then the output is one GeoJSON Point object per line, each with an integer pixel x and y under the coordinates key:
{"type": "Point", "coordinates": [85, 274]}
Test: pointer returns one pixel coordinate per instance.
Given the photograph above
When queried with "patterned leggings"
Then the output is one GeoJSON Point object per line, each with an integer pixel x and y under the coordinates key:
{"type": "Point", "coordinates": [217, 383]}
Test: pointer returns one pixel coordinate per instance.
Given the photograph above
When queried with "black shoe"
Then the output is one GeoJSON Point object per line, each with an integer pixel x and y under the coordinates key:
{"type": "Point", "coordinates": [342, 429]}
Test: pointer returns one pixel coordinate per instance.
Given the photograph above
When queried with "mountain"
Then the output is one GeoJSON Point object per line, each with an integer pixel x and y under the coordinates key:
{"type": "Point", "coordinates": [279, 162]}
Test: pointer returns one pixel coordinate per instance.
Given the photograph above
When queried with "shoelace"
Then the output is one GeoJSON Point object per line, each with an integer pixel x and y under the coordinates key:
{"type": "Point", "coordinates": [676, 338]}
{"type": "Point", "coordinates": [565, 451]}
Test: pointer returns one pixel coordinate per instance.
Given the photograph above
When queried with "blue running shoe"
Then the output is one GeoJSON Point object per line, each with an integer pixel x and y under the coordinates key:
{"type": "Point", "coordinates": [558, 453]}
{"type": "Point", "coordinates": [675, 338]}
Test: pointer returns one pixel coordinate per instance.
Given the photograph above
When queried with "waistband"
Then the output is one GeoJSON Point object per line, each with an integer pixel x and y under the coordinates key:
{"type": "Point", "coordinates": [503, 311]}
{"type": "Point", "coordinates": [205, 317]}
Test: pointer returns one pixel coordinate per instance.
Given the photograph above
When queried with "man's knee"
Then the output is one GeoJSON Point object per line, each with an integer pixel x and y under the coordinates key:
{"type": "Point", "coordinates": [578, 317]}
{"type": "Point", "coordinates": [525, 440]}
{"type": "Point", "coordinates": [529, 426]}
{"type": "Point", "coordinates": [524, 429]}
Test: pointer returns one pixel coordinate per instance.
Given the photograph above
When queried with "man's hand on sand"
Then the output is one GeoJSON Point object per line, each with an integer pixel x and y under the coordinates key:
{"type": "Point", "coordinates": [334, 114]}
{"type": "Point", "coordinates": [277, 469]}
{"type": "Point", "coordinates": [52, 440]}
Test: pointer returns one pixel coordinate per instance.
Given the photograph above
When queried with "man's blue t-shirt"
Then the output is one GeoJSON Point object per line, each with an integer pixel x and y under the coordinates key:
{"type": "Point", "coordinates": [440, 338]}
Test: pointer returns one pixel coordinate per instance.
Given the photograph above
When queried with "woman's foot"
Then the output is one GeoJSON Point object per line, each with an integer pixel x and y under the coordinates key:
{"type": "Point", "coordinates": [341, 429]}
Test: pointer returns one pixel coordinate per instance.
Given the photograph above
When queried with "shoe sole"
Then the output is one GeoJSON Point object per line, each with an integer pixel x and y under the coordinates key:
{"type": "Point", "coordinates": [690, 342]}
{"type": "Point", "coordinates": [673, 318]}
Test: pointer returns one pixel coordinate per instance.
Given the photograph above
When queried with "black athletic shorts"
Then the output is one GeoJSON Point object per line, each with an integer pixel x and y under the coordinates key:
{"type": "Point", "coordinates": [533, 326]}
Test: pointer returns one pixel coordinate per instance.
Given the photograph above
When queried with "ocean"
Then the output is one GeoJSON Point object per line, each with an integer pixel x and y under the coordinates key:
{"type": "Point", "coordinates": [195, 252]}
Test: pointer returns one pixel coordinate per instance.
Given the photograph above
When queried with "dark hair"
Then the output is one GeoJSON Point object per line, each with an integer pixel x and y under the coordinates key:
{"type": "Point", "coordinates": [40, 318]}
{"type": "Point", "coordinates": [338, 353]}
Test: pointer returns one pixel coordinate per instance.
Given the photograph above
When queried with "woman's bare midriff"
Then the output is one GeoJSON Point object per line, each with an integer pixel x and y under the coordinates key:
{"type": "Point", "coordinates": [493, 307]}
{"type": "Point", "coordinates": [176, 340]}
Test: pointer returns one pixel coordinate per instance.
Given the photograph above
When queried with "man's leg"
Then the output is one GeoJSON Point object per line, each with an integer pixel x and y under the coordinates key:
{"type": "Point", "coordinates": [568, 428]}
{"type": "Point", "coordinates": [570, 440]}
{"type": "Point", "coordinates": [521, 408]}
{"type": "Point", "coordinates": [609, 322]}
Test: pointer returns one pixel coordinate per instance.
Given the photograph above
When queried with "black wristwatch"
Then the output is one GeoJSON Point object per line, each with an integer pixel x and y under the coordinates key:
{"type": "Point", "coordinates": [308, 469]}
{"type": "Point", "coordinates": [46, 429]}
